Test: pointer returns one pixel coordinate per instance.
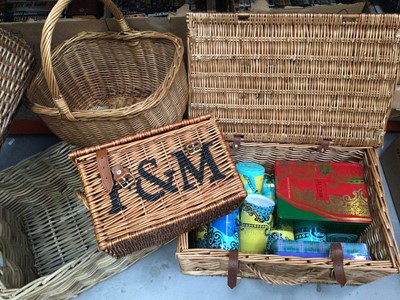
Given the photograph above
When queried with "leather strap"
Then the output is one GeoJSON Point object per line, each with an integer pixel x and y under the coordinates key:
{"type": "Point", "coordinates": [338, 269]}
{"type": "Point", "coordinates": [233, 268]}
{"type": "Point", "coordinates": [104, 170]}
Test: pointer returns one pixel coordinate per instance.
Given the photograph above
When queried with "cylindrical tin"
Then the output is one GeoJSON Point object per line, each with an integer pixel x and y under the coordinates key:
{"type": "Point", "coordinates": [268, 189]}
{"type": "Point", "coordinates": [223, 233]}
{"type": "Point", "coordinates": [252, 176]}
{"type": "Point", "coordinates": [309, 231]}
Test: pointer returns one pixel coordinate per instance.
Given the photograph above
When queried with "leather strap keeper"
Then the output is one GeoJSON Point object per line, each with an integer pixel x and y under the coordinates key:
{"type": "Point", "coordinates": [233, 268]}
{"type": "Point", "coordinates": [338, 269]}
{"type": "Point", "coordinates": [104, 170]}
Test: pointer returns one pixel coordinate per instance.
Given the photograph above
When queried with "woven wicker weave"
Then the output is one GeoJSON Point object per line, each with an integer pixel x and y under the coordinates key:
{"type": "Point", "coordinates": [97, 87]}
{"type": "Point", "coordinates": [286, 270]}
{"type": "Point", "coordinates": [17, 260]}
{"type": "Point", "coordinates": [15, 63]}
{"type": "Point", "coordinates": [40, 194]}
{"type": "Point", "coordinates": [180, 176]}
{"type": "Point", "coordinates": [295, 78]}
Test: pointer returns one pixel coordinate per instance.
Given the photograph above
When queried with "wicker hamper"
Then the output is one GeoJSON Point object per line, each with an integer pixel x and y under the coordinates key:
{"type": "Point", "coordinates": [97, 87]}
{"type": "Point", "coordinates": [148, 188]}
{"type": "Point", "coordinates": [15, 65]}
{"type": "Point", "coordinates": [312, 88]}
{"type": "Point", "coordinates": [42, 218]}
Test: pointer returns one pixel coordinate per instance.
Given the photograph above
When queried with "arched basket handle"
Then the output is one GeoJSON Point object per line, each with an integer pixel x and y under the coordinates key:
{"type": "Point", "coordinates": [45, 50]}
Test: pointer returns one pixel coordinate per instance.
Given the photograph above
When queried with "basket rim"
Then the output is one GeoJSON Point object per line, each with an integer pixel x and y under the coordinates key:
{"type": "Point", "coordinates": [122, 112]}
{"type": "Point", "coordinates": [78, 154]}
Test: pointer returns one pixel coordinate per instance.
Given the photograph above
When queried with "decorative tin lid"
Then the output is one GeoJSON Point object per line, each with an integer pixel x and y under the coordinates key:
{"type": "Point", "coordinates": [295, 78]}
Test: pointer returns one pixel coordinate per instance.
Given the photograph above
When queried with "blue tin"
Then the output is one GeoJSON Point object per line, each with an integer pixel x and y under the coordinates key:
{"type": "Point", "coordinates": [223, 233]}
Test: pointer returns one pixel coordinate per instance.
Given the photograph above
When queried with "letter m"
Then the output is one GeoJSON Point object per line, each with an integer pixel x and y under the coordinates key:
{"type": "Point", "coordinates": [185, 165]}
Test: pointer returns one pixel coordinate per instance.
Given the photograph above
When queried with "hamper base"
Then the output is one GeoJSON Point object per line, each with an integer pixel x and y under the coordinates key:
{"type": "Point", "coordinates": [286, 270]}
{"type": "Point", "coordinates": [281, 270]}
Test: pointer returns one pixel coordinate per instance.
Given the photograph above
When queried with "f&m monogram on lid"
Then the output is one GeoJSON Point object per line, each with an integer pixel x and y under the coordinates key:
{"type": "Point", "coordinates": [148, 188]}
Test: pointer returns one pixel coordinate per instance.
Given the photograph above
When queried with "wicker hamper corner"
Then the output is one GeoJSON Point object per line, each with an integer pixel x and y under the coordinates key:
{"type": "Point", "coordinates": [51, 225]}
{"type": "Point", "coordinates": [282, 85]}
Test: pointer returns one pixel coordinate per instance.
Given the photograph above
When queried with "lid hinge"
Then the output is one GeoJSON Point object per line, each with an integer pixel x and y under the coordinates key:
{"type": "Point", "coordinates": [237, 139]}
{"type": "Point", "coordinates": [324, 146]}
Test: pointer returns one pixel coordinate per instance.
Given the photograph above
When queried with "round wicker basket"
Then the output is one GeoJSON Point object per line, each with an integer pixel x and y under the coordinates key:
{"type": "Point", "coordinates": [100, 86]}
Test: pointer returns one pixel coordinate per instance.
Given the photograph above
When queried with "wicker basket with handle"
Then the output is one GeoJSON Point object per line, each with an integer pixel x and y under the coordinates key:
{"type": "Point", "coordinates": [97, 87]}
{"type": "Point", "coordinates": [15, 65]}
{"type": "Point", "coordinates": [42, 218]}
{"type": "Point", "coordinates": [298, 82]}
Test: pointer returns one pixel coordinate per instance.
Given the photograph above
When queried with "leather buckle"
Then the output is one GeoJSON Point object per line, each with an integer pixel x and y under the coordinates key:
{"type": "Point", "coordinates": [123, 177]}
{"type": "Point", "coordinates": [194, 147]}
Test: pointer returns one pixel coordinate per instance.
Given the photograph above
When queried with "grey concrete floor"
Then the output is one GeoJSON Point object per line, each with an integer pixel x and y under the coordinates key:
{"type": "Point", "coordinates": [157, 276]}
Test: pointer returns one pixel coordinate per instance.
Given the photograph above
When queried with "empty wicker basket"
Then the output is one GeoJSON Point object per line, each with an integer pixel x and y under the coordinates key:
{"type": "Point", "coordinates": [49, 223]}
{"type": "Point", "coordinates": [97, 87]}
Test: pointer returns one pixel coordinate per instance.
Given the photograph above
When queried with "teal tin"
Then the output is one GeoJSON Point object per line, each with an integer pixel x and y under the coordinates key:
{"type": "Point", "coordinates": [309, 231]}
{"type": "Point", "coordinates": [268, 189]}
{"type": "Point", "coordinates": [341, 237]}
{"type": "Point", "coordinates": [252, 176]}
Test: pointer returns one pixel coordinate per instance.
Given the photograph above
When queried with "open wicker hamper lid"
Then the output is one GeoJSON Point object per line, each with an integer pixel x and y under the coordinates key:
{"type": "Point", "coordinates": [295, 78]}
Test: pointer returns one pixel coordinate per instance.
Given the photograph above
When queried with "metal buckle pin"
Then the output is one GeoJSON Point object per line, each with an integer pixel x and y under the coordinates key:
{"type": "Point", "coordinates": [194, 147]}
{"type": "Point", "coordinates": [123, 177]}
